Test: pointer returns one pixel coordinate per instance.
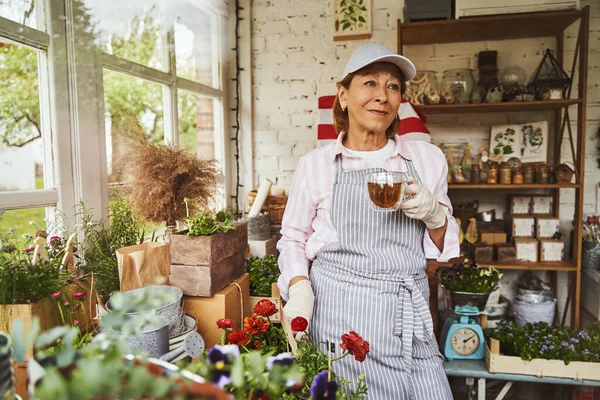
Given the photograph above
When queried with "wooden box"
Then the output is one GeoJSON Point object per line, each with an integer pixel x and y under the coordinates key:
{"type": "Point", "coordinates": [21, 379]}
{"type": "Point", "coordinates": [261, 248]}
{"type": "Point", "coordinates": [526, 249]}
{"type": "Point", "coordinates": [519, 205]}
{"type": "Point", "coordinates": [546, 227]}
{"type": "Point", "coordinates": [233, 302]}
{"type": "Point", "coordinates": [551, 250]}
{"type": "Point", "coordinates": [203, 265]}
{"type": "Point", "coordinates": [542, 205]}
{"type": "Point", "coordinates": [498, 363]}
{"type": "Point", "coordinates": [206, 280]}
{"type": "Point", "coordinates": [275, 298]}
{"type": "Point", "coordinates": [522, 226]}
{"type": "Point", "coordinates": [473, 8]}
{"type": "Point", "coordinates": [483, 253]}
{"type": "Point", "coordinates": [505, 252]}
{"type": "Point", "coordinates": [208, 250]}
{"type": "Point", "coordinates": [493, 237]}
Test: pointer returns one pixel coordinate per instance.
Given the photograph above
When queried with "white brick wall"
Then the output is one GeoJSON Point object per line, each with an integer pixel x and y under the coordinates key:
{"type": "Point", "coordinates": [295, 60]}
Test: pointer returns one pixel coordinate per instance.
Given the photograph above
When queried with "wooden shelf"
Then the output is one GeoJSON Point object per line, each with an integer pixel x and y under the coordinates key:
{"type": "Point", "coordinates": [497, 27]}
{"type": "Point", "coordinates": [533, 266]}
{"type": "Point", "coordinates": [511, 186]}
{"type": "Point", "coordinates": [512, 106]}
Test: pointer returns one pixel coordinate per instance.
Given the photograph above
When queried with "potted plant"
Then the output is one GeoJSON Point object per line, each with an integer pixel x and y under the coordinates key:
{"type": "Point", "coordinates": [545, 350]}
{"type": "Point", "coordinates": [264, 272]}
{"type": "Point", "coordinates": [209, 254]}
{"type": "Point", "coordinates": [467, 284]}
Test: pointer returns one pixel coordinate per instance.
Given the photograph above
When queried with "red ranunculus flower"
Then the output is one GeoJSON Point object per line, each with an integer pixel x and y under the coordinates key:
{"type": "Point", "coordinates": [225, 323]}
{"type": "Point", "coordinates": [255, 325]}
{"type": "Point", "coordinates": [74, 249]}
{"type": "Point", "coordinates": [356, 345]}
{"type": "Point", "coordinates": [29, 250]}
{"type": "Point", "coordinates": [299, 324]}
{"type": "Point", "coordinates": [239, 337]}
{"type": "Point", "coordinates": [56, 295]}
{"type": "Point", "coordinates": [257, 343]}
{"type": "Point", "coordinates": [266, 308]}
{"type": "Point", "coordinates": [41, 233]}
{"type": "Point", "coordinates": [78, 295]}
{"type": "Point", "coordinates": [55, 241]}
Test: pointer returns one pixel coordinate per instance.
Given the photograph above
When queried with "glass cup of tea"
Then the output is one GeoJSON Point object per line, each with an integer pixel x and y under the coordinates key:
{"type": "Point", "coordinates": [385, 190]}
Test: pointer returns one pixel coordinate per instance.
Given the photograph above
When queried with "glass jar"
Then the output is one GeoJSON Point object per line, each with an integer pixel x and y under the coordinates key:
{"type": "Point", "coordinates": [528, 174]}
{"type": "Point", "coordinates": [423, 88]}
{"type": "Point", "coordinates": [475, 174]}
{"type": "Point", "coordinates": [517, 178]}
{"type": "Point", "coordinates": [492, 175]}
{"type": "Point", "coordinates": [458, 84]}
{"type": "Point", "coordinates": [505, 173]}
{"type": "Point", "coordinates": [541, 174]}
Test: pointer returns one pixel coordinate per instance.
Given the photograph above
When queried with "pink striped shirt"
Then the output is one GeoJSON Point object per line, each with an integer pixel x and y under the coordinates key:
{"type": "Point", "coordinates": [307, 226]}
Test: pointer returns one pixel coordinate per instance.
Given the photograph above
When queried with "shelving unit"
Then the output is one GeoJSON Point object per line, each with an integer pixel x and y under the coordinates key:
{"type": "Point", "coordinates": [508, 27]}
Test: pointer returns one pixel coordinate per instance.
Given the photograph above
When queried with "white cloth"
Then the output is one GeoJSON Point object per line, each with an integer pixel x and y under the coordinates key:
{"type": "Point", "coordinates": [376, 158]}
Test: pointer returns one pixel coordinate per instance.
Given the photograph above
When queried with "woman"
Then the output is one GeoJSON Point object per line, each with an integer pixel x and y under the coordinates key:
{"type": "Point", "coordinates": [368, 267]}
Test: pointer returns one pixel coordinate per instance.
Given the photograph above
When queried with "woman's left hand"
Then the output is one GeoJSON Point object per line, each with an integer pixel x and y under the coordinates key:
{"type": "Point", "coordinates": [423, 205]}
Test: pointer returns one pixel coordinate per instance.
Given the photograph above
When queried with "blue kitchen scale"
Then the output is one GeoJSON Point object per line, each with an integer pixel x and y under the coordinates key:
{"type": "Point", "coordinates": [462, 337]}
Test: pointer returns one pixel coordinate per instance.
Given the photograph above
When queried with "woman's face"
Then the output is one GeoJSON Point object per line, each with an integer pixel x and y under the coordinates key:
{"type": "Point", "coordinates": [373, 98]}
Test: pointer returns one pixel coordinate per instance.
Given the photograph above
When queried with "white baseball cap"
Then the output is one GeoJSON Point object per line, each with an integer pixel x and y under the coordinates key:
{"type": "Point", "coordinates": [370, 53]}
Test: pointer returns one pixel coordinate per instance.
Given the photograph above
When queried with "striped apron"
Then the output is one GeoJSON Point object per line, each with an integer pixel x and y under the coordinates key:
{"type": "Point", "coordinates": [372, 281]}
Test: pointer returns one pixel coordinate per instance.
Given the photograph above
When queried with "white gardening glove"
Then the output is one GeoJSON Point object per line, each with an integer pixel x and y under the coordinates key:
{"type": "Point", "coordinates": [423, 205]}
{"type": "Point", "coordinates": [300, 303]}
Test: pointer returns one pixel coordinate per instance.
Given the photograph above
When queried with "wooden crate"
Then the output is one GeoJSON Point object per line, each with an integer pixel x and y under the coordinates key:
{"type": "Point", "coordinates": [261, 248]}
{"type": "Point", "coordinates": [498, 363]}
{"type": "Point", "coordinates": [21, 379]}
{"type": "Point", "coordinates": [206, 280]}
{"type": "Point", "coordinates": [203, 265]}
{"type": "Point", "coordinates": [275, 298]}
{"type": "Point", "coordinates": [208, 250]}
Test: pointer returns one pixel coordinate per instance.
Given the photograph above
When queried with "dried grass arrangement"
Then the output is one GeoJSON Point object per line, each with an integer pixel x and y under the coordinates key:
{"type": "Point", "coordinates": [162, 176]}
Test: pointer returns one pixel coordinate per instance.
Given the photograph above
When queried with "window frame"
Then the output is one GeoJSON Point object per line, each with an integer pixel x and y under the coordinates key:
{"type": "Point", "coordinates": [75, 165]}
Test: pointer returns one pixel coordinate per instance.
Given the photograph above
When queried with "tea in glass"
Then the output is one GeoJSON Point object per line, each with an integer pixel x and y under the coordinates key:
{"type": "Point", "coordinates": [385, 189]}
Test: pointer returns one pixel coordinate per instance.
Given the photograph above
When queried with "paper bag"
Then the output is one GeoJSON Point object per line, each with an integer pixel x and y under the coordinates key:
{"type": "Point", "coordinates": [143, 264]}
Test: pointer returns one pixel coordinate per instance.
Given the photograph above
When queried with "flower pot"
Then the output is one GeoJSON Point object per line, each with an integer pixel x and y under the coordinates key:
{"type": "Point", "coordinates": [154, 340]}
{"type": "Point", "coordinates": [453, 299]}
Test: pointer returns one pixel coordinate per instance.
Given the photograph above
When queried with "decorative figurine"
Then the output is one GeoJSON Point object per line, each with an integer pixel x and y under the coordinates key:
{"type": "Point", "coordinates": [494, 94]}
{"type": "Point", "coordinates": [467, 160]}
{"type": "Point", "coordinates": [458, 175]}
{"type": "Point", "coordinates": [483, 163]}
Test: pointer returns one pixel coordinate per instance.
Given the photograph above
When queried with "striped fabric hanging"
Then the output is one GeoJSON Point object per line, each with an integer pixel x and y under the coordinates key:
{"type": "Point", "coordinates": [412, 122]}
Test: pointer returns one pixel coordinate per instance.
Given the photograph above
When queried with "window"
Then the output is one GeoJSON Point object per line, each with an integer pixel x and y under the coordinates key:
{"type": "Point", "coordinates": [62, 94]}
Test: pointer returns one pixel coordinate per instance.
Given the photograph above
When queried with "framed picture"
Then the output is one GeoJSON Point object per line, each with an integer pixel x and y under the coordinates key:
{"type": "Point", "coordinates": [352, 19]}
{"type": "Point", "coordinates": [528, 141]}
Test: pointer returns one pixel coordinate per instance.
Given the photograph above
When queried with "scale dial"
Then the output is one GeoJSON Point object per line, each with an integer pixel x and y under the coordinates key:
{"type": "Point", "coordinates": [465, 341]}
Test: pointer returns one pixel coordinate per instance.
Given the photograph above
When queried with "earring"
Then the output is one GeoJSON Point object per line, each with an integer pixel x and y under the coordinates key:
{"type": "Point", "coordinates": [343, 108]}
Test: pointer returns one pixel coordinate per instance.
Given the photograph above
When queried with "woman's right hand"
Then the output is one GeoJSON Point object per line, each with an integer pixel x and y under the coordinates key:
{"type": "Point", "coordinates": [300, 302]}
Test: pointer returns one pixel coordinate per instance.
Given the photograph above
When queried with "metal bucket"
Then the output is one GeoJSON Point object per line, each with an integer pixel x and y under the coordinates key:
{"type": "Point", "coordinates": [154, 338]}
{"type": "Point", "coordinates": [172, 308]}
{"type": "Point", "coordinates": [7, 380]}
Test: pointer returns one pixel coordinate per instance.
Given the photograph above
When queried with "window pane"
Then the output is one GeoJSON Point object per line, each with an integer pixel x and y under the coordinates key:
{"type": "Point", "coordinates": [21, 149]}
{"type": "Point", "coordinates": [194, 48]}
{"type": "Point", "coordinates": [26, 12]}
{"type": "Point", "coordinates": [197, 133]}
{"type": "Point", "coordinates": [144, 100]}
{"type": "Point", "coordinates": [19, 220]}
{"type": "Point", "coordinates": [130, 30]}
{"type": "Point", "coordinates": [196, 124]}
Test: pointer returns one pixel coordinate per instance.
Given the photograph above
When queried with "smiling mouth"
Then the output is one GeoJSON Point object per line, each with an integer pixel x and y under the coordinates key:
{"type": "Point", "coordinates": [377, 112]}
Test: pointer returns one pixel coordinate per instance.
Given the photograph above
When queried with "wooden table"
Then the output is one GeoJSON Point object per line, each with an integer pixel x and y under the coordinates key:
{"type": "Point", "coordinates": [476, 370]}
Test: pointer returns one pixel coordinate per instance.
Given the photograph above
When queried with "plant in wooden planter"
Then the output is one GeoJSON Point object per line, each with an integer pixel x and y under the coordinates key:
{"type": "Point", "coordinates": [466, 283]}
{"type": "Point", "coordinates": [264, 271]}
{"type": "Point", "coordinates": [544, 350]}
{"type": "Point", "coordinates": [209, 254]}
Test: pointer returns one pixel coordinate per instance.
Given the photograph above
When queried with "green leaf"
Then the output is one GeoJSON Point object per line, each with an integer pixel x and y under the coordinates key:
{"type": "Point", "coordinates": [237, 373]}
{"type": "Point", "coordinates": [345, 26]}
{"type": "Point", "coordinates": [361, 19]}
{"type": "Point", "coordinates": [51, 337]}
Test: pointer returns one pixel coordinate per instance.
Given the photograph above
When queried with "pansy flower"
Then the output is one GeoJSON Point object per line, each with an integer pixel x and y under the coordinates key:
{"type": "Point", "coordinates": [323, 389]}
{"type": "Point", "coordinates": [220, 357]}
